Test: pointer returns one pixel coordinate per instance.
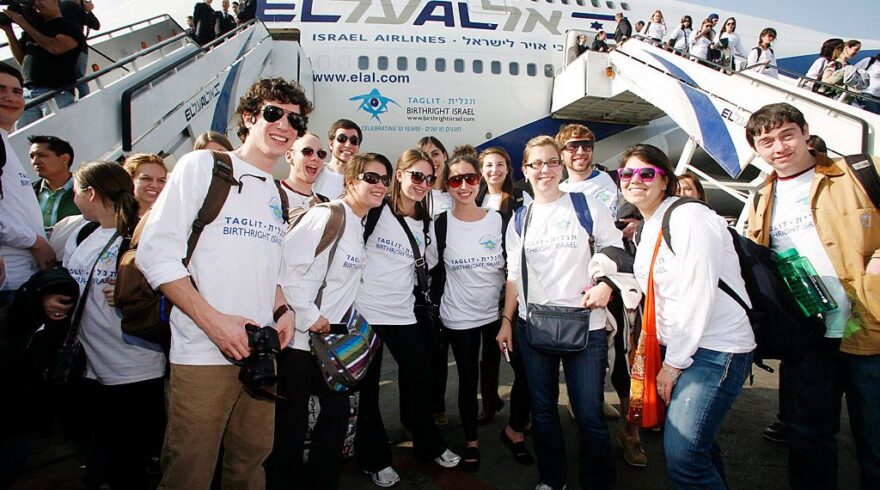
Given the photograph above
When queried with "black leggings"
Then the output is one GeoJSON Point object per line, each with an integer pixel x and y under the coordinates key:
{"type": "Point", "coordinates": [466, 349]}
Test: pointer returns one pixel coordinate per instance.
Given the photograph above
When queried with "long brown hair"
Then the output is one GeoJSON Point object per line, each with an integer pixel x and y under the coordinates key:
{"type": "Point", "coordinates": [405, 162]}
{"type": "Point", "coordinates": [114, 186]}
{"type": "Point", "coordinates": [507, 185]}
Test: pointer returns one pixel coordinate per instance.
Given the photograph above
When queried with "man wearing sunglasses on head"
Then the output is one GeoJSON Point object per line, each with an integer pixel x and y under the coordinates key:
{"type": "Point", "coordinates": [344, 140]}
{"type": "Point", "coordinates": [306, 159]}
{"type": "Point", "coordinates": [235, 267]}
{"type": "Point", "coordinates": [577, 143]}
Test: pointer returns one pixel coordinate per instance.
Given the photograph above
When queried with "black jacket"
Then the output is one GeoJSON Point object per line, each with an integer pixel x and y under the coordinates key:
{"type": "Point", "coordinates": [624, 30]}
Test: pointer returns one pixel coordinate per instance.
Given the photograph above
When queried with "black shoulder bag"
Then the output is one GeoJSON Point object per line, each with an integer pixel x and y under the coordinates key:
{"type": "Point", "coordinates": [552, 329]}
{"type": "Point", "coordinates": [426, 310]}
{"type": "Point", "coordinates": [70, 359]}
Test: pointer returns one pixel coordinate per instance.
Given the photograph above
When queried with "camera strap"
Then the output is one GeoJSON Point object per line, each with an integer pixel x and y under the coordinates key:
{"type": "Point", "coordinates": [420, 263]}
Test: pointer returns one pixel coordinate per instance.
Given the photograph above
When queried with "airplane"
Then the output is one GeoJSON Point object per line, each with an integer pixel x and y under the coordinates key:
{"type": "Point", "coordinates": [477, 72]}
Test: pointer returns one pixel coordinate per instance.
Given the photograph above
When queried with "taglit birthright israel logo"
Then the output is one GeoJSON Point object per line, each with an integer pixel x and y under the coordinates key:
{"type": "Point", "coordinates": [374, 103]}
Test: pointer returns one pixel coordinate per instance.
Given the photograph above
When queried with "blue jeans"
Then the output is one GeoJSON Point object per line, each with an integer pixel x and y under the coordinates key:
{"type": "Point", "coordinates": [702, 396]}
{"type": "Point", "coordinates": [82, 63]}
{"type": "Point", "coordinates": [816, 385]}
{"type": "Point", "coordinates": [63, 99]}
{"type": "Point", "coordinates": [584, 377]}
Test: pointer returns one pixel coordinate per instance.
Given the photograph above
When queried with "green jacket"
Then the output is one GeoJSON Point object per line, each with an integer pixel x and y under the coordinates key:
{"type": "Point", "coordinates": [66, 207]}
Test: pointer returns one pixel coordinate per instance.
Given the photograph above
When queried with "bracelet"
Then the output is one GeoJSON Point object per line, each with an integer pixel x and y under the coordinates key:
{"type": "Point", "coordinates": [671, 372]}
{"type": "Point", "coordinates": [279, 312]}
{"type": "Point", "coordinates": [504, 317]}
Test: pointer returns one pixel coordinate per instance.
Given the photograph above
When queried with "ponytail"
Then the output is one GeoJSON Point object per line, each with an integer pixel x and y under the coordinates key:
{"type": "Point", "coordinates": [112, 183]}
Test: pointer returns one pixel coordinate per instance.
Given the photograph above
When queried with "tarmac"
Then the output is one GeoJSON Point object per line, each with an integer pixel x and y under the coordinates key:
{"type": "Point", "coordinates": [750, 461]}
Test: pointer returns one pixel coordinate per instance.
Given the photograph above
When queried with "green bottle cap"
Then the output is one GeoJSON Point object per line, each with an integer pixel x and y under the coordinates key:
{"type": "Point", "coordinates": [791, 253]}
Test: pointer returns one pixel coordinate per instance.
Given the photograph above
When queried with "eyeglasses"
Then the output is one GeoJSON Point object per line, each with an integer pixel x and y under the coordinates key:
{"type": "Point", "coordinates": [344, 138]}
{"type": "Point", "coordinates": [538, 164]}
{"type": "Point", "coordinates": [418, 177]}
{"type": "Point", "coordinates": [730, 23]}
{"type": "Point", "coordinates": [646, 174]}
{"type": "Point", "coordinates": [374, 178]}
{"type": "Point", "coordinates": [456, 180]}
{"type": "Point", "coordinates": [273, 113]}
{"type": "Point", "coordinates": [308, 152]}
{"type": "Point", "coordinates": [586, 145]}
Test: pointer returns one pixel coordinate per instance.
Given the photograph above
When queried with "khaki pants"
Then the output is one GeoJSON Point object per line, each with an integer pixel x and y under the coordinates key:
{"type": "Point", "coordinates": [207, 404]}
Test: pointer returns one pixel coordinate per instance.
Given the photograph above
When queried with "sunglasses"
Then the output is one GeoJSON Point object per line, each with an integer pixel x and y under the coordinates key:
{"type": "Point", "coordinates": [646, 174]}
{"type": "Point", "coordinates": [343, 138]}
{"type": "Point", "coordinates": [308, 152]}
{"type": "Point", "coordinates": [419, 178]}
{"type": "Point", "coordinates": [273, 113]}
{"type": "Point", "coordinates": [586, 145]}
{"type": "Point", "coordinates": [374, 178]}
{"type": "Point", "coordinates": [456, 180]}
{"type": "Point", "coordinates": [538, 164]}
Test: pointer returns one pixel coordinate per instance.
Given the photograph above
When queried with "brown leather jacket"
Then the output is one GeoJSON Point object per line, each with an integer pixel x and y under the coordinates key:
{"type": "Point", "coordinates": [849, 226]}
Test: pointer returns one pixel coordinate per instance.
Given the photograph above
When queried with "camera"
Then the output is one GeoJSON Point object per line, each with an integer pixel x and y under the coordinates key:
{"type": "Point", "coordinates": [17, 6]}
{"type": "Point", "coordinates": [258, 369]}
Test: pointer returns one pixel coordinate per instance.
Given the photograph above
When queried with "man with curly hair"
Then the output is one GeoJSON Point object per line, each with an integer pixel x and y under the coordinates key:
{"type": "Point", "coordinates": [235, 267]}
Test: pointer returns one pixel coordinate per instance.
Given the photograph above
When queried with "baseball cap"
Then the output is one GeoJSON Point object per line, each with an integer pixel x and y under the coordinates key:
{"type": "Point", "coordinates": [713, 17]}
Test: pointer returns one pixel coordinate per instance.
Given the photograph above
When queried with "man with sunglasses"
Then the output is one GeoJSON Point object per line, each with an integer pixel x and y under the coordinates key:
{"type": "Point", "coordinates": [577, 143]}
{"type": "Point", "coordinates": [235, 267]}
{"type": "Point", "coordinates": [344, 138]}
{"type": "Point", "coordinates": [306, 159]}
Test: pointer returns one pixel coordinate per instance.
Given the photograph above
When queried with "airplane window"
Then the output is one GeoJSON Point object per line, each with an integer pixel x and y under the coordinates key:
{"type": "Point", "coordinates": [458, 65]}
{"type": "Point", "coordinates": [513, 68]}
{"type": "Point", "coordinates": [624, 5]}
{"type": "Point", "coordinates": [548, 71]}
{"type": "Point", "coordinates": [610, 4]}
{"type": "Point", "coordinates": [421, 64]}
{"type": "Point", "coordinates": [596, 3]}
{"type": "Point", "coordinates": [402, 63]}
{"type": "Point", "coordinates": [440, 64]}
{"type": "Point", "coordinates": [581, 3]}
{"type": "Point", "coordinates": [564, 2]}
{"type": "Point", "coordinates": [363, 62]}
{"type": "Point", "coordinates": [496, 67]}
{"type": "Point", "coordinates": [382, 63]}
{"type": "Point", "coordinates": [531, 69]}
{"type": "Point", "coordinates": [478, 66]}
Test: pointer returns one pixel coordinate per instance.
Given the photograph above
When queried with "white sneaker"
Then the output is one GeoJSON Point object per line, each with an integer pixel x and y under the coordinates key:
{"type": "Point", "coordinates": [385, 478]}
{"type": "Point", "coordinates": [448, 459]}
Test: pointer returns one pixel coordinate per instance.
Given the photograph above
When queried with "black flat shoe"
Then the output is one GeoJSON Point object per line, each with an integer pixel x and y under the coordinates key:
{"type": "Point", "coordinates": [489, 411]}
{"type": "Point", "coordinates": [518, 449]}
{"type": "Point", "coordinates": [470, 459]}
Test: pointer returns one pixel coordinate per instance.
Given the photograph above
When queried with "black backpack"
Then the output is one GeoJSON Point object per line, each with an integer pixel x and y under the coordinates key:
{"type": "Point", "coordinates": [781, 329]}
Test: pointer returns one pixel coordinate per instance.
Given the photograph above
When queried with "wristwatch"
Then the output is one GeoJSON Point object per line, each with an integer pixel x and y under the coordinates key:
{"type": "Point", "coordinates": [279, 312]}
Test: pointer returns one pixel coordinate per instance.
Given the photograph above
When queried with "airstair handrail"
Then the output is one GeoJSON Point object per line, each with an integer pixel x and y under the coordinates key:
{"type": "Point", "coordinates": [792, 93]}
{"type": "Point", "coordinates": [128, 94]}
{"type": "Point", "coordinates": [88, 78]}
{"type": "Point", "coordinates": [117, 29]}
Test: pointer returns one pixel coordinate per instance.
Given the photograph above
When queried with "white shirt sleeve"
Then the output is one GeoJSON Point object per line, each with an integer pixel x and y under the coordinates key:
{"type": "Point", "coordinates": [301, 272]}
{"type": "Point", "coordinates": [19, 237]}
{"type": "Point", "coordinates": [606, 234]}
{"type": "Point", "coordinates": [431, 254]}
{"type": "Point", "coordinates": [697, 241]}
{"type": "Point", "coordinates": [738, 46]}
{"type": "Point", "coordinates": [163, 245]}
{"type": "Point", "coordinates": [512, 246]}
{"type": "Point", "coordinates": [752, 58]}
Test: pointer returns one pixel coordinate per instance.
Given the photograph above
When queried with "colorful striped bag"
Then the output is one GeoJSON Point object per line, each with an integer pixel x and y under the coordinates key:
{"type": "Point", "coordinates": [345, 358]}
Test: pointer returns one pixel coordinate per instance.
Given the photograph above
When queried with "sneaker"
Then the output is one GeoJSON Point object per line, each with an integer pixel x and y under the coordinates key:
{"type": "Point", "coordinates": [609, 411]}
{"type": "Point", "coordinates": [385, 478]}
{"type": "Point", "coordinates": [440, 419]}
{"type": "Point", "coordinates": [544, 486]}
{"type": "Point", "coordinates": [776, 432]}
{"type": "Point", "coordinates": [633, 451]}
{"type": "Point", "coordinates": [448, 459]}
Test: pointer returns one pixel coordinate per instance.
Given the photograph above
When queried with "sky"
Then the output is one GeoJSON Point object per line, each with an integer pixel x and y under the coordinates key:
{"type": "Point", "coordinates": [858, 19]}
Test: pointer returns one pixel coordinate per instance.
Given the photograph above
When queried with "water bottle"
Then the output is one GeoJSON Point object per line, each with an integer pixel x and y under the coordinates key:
{"type": "Point", "coordinates": [805, 284]}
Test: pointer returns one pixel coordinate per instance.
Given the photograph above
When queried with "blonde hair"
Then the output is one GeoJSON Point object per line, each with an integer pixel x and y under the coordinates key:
{"type": "Point", "coordinates": [133, 162]}
{"type": "Point", "coordinates": [404, 163]}
{"type": "Point", "coordinates": [542, 140]}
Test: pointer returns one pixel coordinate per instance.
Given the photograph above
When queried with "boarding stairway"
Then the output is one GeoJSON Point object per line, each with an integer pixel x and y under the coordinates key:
{"type": "Point", "coordinates": [638, 83]}
{"type": "Point", "coordinates": [156, 89]}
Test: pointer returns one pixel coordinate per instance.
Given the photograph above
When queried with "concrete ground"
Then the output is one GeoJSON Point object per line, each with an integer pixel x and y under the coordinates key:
{"type": "Point", "coordinates": [751, 462]}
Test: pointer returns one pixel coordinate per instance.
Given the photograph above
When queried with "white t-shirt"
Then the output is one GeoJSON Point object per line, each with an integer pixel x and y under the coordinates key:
{"type": "Point", "coordinates": [21, 220]}
{"type": "Point", "coordinates": [474, 262]}
{"type": "Point", "coordinates": [492, 201]}
{"type": "Point", "coordinates": [767, 57]}
{"type": "Point", "coordinates": [295, 199]}
{"type": "Point", "coordinates": [386, 294]}
{"type": "Point", "coordinates": [442, 202]}
{"type": "Point", "coordinates": [237, 260]}
{"type": "Point", "coordinates": [557, 249]}
{"type": "Point", "coordinates": [330, 184]}
{"type": "Point", "coordinates": [654, 30]}
{"type": "Point", "coordinates": [112, 357]}
{"type": "Point", "coordinates": [792, 226]}
{"type": "Point", "coordinates": [61, 233]}
{"type": "Point", "coordinates": [734, 43]}
{"type": "Point", "coordinates": [692, 311]}
{"type": "Point", "coordinates": [302, 273]}
{"type": "Point", "coordinates": [681, 37]}
{"type": "Point", "coordinates": [699, 45]}
{"type": "Point", "coordinates": [874, 73]}
{"type": "Point", "coordinates": [599, 186]}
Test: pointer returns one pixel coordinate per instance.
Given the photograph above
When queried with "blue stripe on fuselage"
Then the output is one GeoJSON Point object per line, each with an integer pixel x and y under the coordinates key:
{"type": "Point", "coordinates": [220, 121]}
